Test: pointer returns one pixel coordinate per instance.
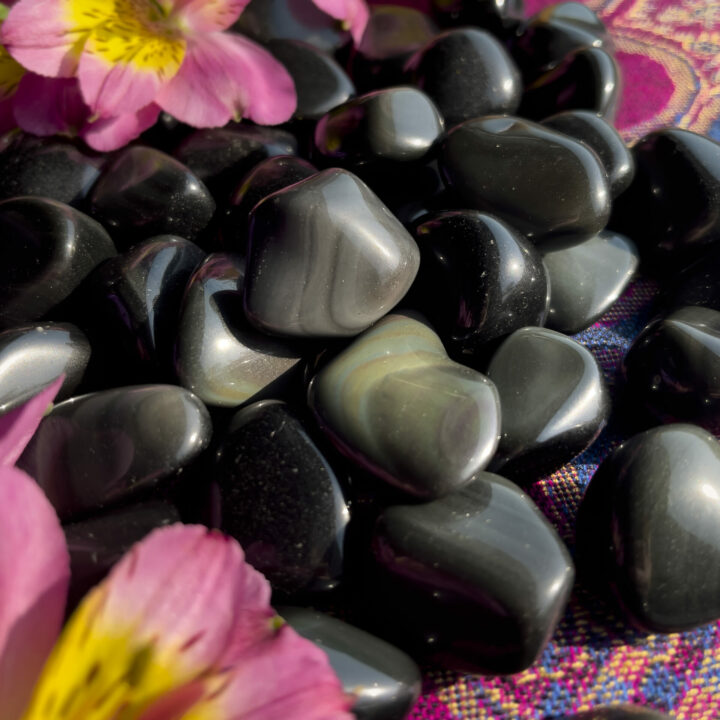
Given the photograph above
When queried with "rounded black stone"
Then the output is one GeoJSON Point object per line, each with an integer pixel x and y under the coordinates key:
{"type": "Point", "coordinates": [478, 280]}
{"type": "Point", "coordinates": [47, 249]}
{"type": "Point", "coordinates": [648, 528]}
{"type": "Point", "coordinates": [494, 15]}
{"type": "Point", "coordinates": [145, 192]}
{"type": "Point", "coordinates": [281, 500]}
{"type": "Point", "coordinates": [673, 367]}
{"type": "Point", "coordinates": [541, 182]}
{"type": "Point", "coordinates": [618, 712]}
{"type": "Point", "coordinates": [600, 136]}
{"type": "Point", "coordinates": [467, 73]}
{"type": "Point", "coordinates": [697, 284]}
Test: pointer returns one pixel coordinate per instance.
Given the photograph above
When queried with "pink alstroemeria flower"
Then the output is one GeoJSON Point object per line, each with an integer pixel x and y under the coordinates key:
{"type": "Point", "coordinates": [181, 629]}
{"type": "Point", "coordinates": [135, 57]}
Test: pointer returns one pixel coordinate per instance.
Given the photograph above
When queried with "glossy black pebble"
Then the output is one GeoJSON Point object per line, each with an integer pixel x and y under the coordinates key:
{"type": "Point", "coordinates": [587, 278]}
{"type": "Point", "coordinates": [145, 192]}
{"type": "Point", "coordinates": [220, 157]}
{"type": "Point", "coordinates": [553, 402]}
{"type": "Point", "coordinates": [475, 581]}
{"type": "Point", "coordinates": [599, 135]}
{"type": "Point", "coordinates": [96, 544]}
{"type": "Point", "coordinates": [492, 14]}
{"type": "Point", "coordinates": [281, 500]}
{"type": "Point", "coordinates": [47, 249]}
{"type": "Point", "coordinates": [384, 681]}
{"type": "Point", "coordinates": [673, 367]}
{"type": "Point", "coordinates": [649, 528]}
{"type": "Point", "coordinates": [468, 73]}
{"type": "Point", "coordinates": [32, 356]}
{"type": "Point", "coordinates": [396, 124]}
{"type": "Point", "coordinates": [320, 83]}
{"type": "Point", "coordinates": [587, 79]}
{"type": "Point", "coordinates": [49, 167]}
{"type": "Point", "coordinates": [99, 449]}
{"type": "Point", "coordinates": [672, 208]}
{"type": "Point", "coordinates": [697, 284]}
{"type": "Point", "coordinates": [543, 183]}
{"type": "Point", "coordinates": [478, 280]}
{"type": "Point", "coordinates": [619, 712]}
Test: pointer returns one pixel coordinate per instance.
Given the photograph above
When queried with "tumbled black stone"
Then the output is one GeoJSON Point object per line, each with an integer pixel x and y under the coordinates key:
{"type": "Point", "coordinates": [648, 528]}
{"type": "Point", "coordinates": [145, 192]}
{"type": "Point", "coordinates": [33, 355]}
{"type": "Point", "coordinates": [218, 354]}
{"type": "Point", "coordinates": [474, 581]}
{"type": "Point", "coordinates": [97, 543]}
{"type": "Point", "coordinates": [618, 712]}
{"type": "Point", "coordinates": [52, 168]}
{"type": "Point", "coordinates": [47, 249]}
{"type": "Point", "coordinates": [383, 681]}
{"type": "Point", "coordinates": [553, 402]}
{"type": "Point", "coordinates": [672, 208]}
{"type": "Point", "coordinates": [265, 178]}
{"type": "Point", "coordinates": [673, 367]}
{"type": "Point", "coordinates": [281, 500]}
{"type": "Point", "coordinates": [393, 125]}
{"type": "Point", "coordinates": [587, 278]}
{"type": "Point", "coordinates": [467, 73]}
{"type": "Point", "coordinates": [587, 79]}
{"type": "Point", "coordinates": [320, 83]}
{"type": "Point", "coordinates": [478, 280]}
{"type": "Point", "coordinates": [98, 449]}
{"type": "Point", "coordinates": [600, 136]}
{"type": "Point", "coordinates": [541, 182]}
{"type": "Point", "coordinates": [494, 15]}
{"type": "Point", "coordinates": [266, 20]}
{"type": "Point", "coordinates": [697, 284]}
{"type": "Point", "coordinates": [392, 35]}
{"type": "Point", "coordinates": [220, 157]}
{"type": "Point", "coordinates": [132, 306]}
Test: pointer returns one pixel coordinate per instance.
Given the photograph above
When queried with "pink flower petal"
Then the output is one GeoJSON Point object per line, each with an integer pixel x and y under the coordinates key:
{"type": "Point", "coordinates": [285, 677]}
{"type": "Point", "coordinates": [226, 76]}
{"type": "Point", "coordinates": [203, 16]}
{"type": "Point", "coordinates": [111, 133]}
{"type": "Point", "coordinates": [34, 575]}
{"type": "Point", "coordinates": [46, 106]}
{"type": "Point", "coordinates": [354, 14]}
{"type": "Point", "coordinates": [37, 34]}
{"type": "Point", "coordinates": [19, 425]}
{"type": "Point", "coordinates": [7, 118]}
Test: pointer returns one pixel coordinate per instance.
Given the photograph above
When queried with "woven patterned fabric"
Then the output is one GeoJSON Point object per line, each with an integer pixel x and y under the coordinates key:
{"type": "Point", "coordinates": [669, 52]}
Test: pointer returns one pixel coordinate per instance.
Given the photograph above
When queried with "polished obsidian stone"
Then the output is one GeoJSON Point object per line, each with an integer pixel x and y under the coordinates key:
{"type": "Point", "coordinates": [673, 367]}
{"type": "Point", "coordinates": [132, 306]}
{"type": "Point", "coordinates": [325, 259]}
{"type": "Point", "coordinates": [587, 79]}
{"type": "Point", "coordinates": [619, 712]}
{"type": "Point", "coordinates": [321, 84]}
{"type": "Point", "coordinates": [265, 178]}
{"type": "Point", "coordinates": [554, 32]}
{"type": "Point", "coordinates": [600, 136]}
{"type": "Point", "coordinates": [218, 354]}
{"type": "Point", "coordinates": [98, 449]}
{"type": "Point", "coordinates": [478, 280]}
{"type": "Point", "coordinates": [386, 126]}
{"type": "Point", "coordinates": [494, 15]}
{"type": "Point", "coordinates": [145, 192]}
{"type": "Point", "coordinates": [52, 168]}
{"type": "Point", "coordinates": [553, 402]}
{"type": "Point", "coordinates": [266, 20]}
{"type": "Point", "coordinates": [97, 543]}
{"type": "Point", "coordinates": [33, 355]}
{"type": "Point", "coordinates": [392, 35]}
{"type": "Point", "coordinates": [543, 183]}
{"type": "Point", "coordinates": [383, 680]}
{"type": "Point", "coordinates": [220, 157]}
{"type": "Point", "coordinates": [697, 284]}
{"type": "Point", "coordinates": [467, 73]}
{"type": "Point", "coordinates": [474, 581]}
{"type": "Point", "coordinates": [649, 528]}
{"type": "Point", "coordinates": [587, 278]}
{"type": "Point", "coordinates": [672, 208]}
{"type": "Point", "coordinates": [47, 249]}
{"type": "Point", "coordinates": [281, 500]}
